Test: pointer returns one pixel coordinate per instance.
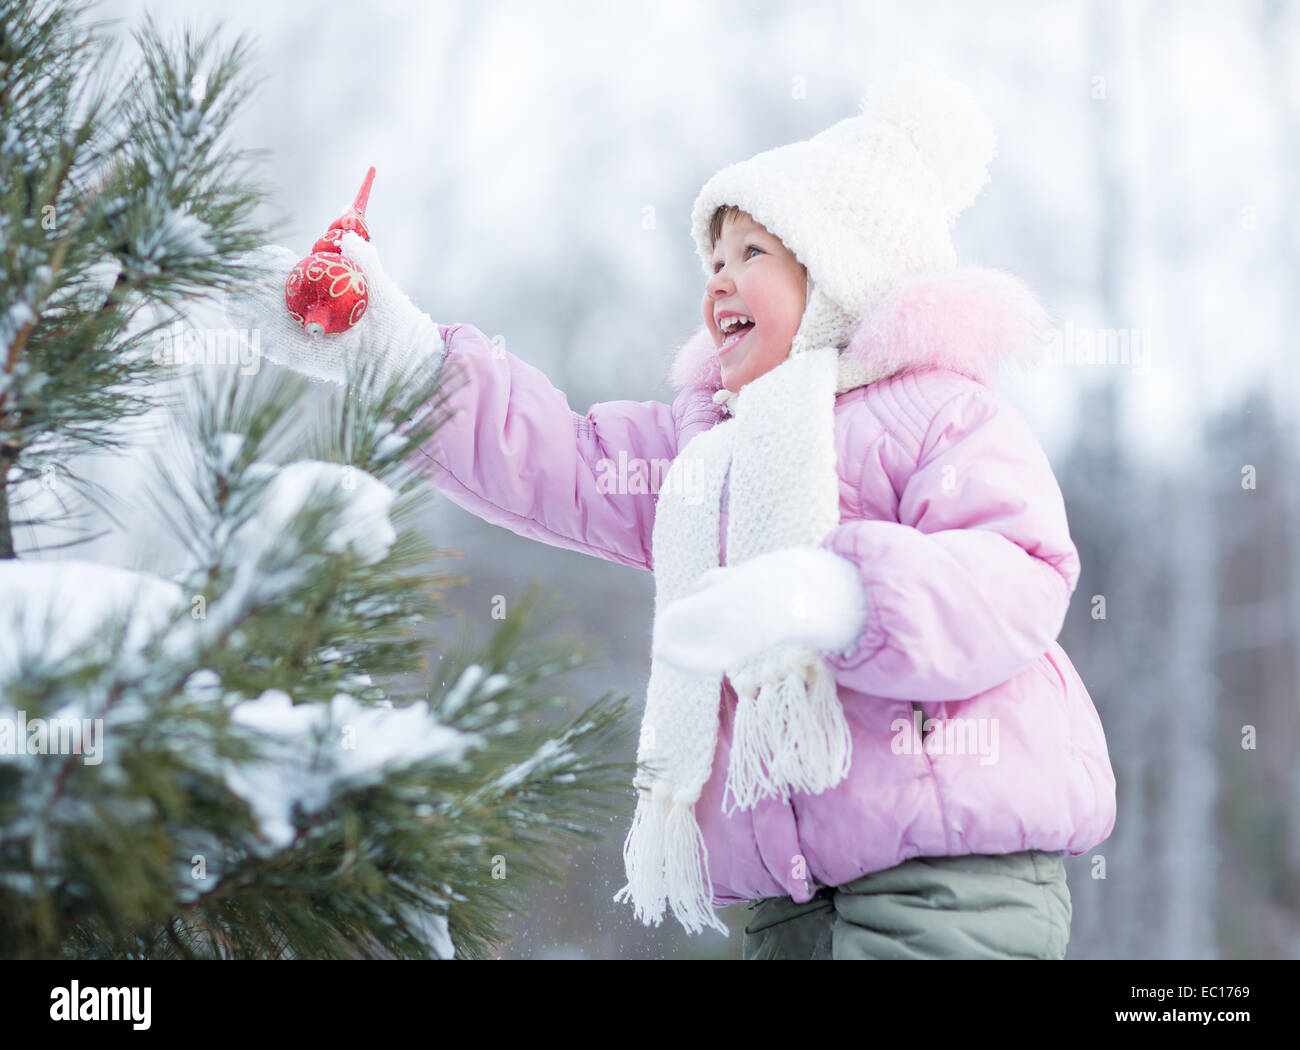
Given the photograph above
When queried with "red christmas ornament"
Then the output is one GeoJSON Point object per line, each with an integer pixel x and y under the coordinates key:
{"type": "Point", "coordinates": [326, 292]}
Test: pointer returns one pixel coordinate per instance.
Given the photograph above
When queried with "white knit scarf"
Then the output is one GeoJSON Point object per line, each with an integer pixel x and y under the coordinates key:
{"type": "Point", "coordinates": [790, 730]}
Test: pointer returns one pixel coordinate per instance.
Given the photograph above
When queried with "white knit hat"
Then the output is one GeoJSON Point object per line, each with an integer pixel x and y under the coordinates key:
{"type": "Point", "coordinates": [861, 205]}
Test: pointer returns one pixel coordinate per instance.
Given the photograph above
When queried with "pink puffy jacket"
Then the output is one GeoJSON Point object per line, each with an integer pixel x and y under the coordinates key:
{"type": "Point", "coordinates": [950, 511]}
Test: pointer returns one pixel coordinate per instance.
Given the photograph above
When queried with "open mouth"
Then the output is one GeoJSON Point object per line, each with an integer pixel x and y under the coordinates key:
{"type": "Point", "coordinates": [736, 336]}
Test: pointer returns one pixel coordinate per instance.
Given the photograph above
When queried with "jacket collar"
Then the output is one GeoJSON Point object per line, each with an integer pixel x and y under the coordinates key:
{"type": "Point", "coordinates": [968, 320]}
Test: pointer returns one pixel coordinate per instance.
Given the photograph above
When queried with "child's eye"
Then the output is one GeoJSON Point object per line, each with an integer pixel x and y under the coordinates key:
{"type": "Point", "coordinates": [748, 248]}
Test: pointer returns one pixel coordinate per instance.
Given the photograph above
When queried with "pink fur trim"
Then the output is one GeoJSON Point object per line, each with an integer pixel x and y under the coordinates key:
{"type": "Point", "coordinates": [696, 363]}
{"type": "Point", "coordinates": [969, 320]}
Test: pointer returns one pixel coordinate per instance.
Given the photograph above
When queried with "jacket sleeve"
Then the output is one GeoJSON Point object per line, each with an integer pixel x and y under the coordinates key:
{"type": "Point", "coordinates": [971, 585]}
{"type": "Point", "coordinates": [513, 453]}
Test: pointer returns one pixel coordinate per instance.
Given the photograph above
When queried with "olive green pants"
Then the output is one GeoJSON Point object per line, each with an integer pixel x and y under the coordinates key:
{"type": "Point", "coordinates": [1008, 906]}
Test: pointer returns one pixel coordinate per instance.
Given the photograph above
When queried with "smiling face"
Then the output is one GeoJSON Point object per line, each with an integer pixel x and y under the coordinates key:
{"type": "Point", "coordinates": [755, 277]}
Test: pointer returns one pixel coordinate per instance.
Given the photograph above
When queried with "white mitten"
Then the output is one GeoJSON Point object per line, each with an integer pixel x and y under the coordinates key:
{"type": "Point", "coordinates": [735, 613]}
{"type": "Point", "coordinates": [393, 332]}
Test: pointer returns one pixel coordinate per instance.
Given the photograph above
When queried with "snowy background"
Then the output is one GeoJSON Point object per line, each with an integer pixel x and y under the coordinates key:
{"type": "Point", "coordinates": [536, 166]}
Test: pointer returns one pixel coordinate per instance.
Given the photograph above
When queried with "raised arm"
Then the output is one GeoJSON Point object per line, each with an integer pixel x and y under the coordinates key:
{"type": "Point", "coordinates": [512, 451]}
{"type": "Point", "coordinates": [515, 454]}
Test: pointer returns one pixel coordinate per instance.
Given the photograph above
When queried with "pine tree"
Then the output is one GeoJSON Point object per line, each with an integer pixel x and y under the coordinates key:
{"type": "Point", "coordinates": [242, 759]}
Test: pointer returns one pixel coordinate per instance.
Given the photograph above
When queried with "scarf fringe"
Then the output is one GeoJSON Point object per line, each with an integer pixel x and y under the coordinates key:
{"type": "Point", "coordinates": [755, 741]}
{"type": "Point", "coordinates": [790, 735]}
{"type": "Point", "coordinates": [665, 858]}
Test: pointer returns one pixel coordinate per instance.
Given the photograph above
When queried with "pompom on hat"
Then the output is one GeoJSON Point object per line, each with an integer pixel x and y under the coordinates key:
{"type": "Point", "coordinates": [863, 206]}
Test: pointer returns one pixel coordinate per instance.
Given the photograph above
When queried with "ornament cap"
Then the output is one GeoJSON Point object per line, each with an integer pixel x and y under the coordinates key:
{"type": "Point", "coordinates": [363, 194]}
{"type": "Point", "coordinates": [354, 219]}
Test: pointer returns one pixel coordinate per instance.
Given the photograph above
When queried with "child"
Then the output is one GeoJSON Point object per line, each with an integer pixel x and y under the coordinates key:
{"type": "Point", "coordinates": [858, 717]}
